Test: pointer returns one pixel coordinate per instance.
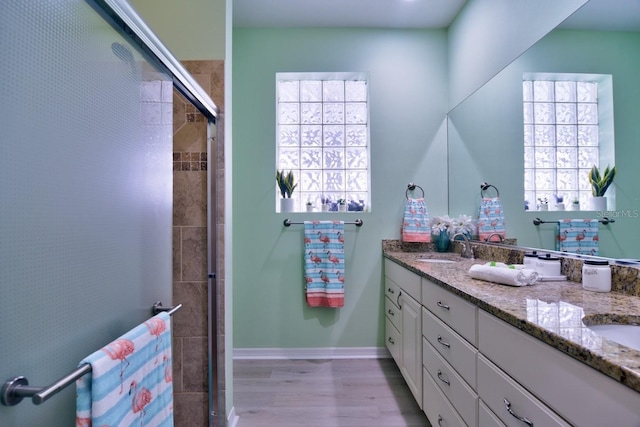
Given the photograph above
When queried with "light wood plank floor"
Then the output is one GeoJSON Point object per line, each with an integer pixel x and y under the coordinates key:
{"type": "Point", "coordinates": [323, 393]}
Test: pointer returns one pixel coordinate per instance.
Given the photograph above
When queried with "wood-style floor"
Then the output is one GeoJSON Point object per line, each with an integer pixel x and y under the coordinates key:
{"type": "Point", "coordinates": [323, 393]}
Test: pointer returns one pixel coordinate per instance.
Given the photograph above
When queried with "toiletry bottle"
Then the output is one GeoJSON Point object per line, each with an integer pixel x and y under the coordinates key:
{"type": "Point", "coordinates": [530, 259]}
{"type": "Point", "coordinates": [547, 265]}
{"type": "Point", "coordinates": [596, 276]}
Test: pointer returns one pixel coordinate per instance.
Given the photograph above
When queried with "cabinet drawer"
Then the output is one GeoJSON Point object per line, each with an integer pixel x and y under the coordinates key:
{"type": "Point", "coordinates": [393, 340]}
{"type": "Point", "coordinates": [391, 290]}
{"type": "Point", "coordinates": [459, 314]}
{"type": "Point", "coordinates": [407, 280]}
{"type": "Point", "coordinates": [454, 349]}
{"type": "Point", "coordinates": [501, 394]}
{"type": "Point", "coordinates": [486, 418]}
{"type": "Point", "coordinates": [436, 406]}
{"type": "Point", "coordinates": [392, 312]}
{"type": "Point", "coordinates": [461, 396]}
{"type": "Point", "coordinates": [524, 358]}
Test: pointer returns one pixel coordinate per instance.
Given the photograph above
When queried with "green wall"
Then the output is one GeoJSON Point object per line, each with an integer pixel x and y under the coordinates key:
{"type": "Point", "coordinates": [191, 29]}
{"type": "Point", "coordinates": [486, 135]}
{"type": "Point", "coordinates": [408, 103]}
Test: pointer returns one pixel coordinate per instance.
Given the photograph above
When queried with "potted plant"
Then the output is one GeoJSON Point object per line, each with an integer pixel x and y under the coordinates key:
{"type": "Point", "coordinates": [559, 202]}
{"type": "Point", "coordinates": [309, 205]}
{"type": "Point", "coordinates": [286, 184]}
{"type": "Point", "coordinates": [342, 205]}
{"type": "Point", "coordinates": [599, 185]}
{"type": "Point", "coordinates": [326, 203]}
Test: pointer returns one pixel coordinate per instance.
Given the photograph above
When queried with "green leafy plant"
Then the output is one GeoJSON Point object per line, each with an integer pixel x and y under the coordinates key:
{"type": "Point", "coordinates": [285, 183]}
{"type": "Point", "coordinates": [600, 183]}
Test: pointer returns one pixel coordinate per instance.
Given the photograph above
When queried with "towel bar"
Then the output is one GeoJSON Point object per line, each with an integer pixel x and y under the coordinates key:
{"type": "Point", "coordinates": [604, 220]}
{"type": "Point", "coordinates": [358, 222]}
{"type": "Point", "coordinates": [17, 388]}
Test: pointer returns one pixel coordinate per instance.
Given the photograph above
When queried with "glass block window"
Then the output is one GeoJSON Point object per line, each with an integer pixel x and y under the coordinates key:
{"type": "Point", "coordinates": [322, 127]}
{"type": "Point", "coordinates": [561, 140]}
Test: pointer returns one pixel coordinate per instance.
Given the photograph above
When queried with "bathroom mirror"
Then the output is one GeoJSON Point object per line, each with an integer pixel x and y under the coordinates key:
{"type": "Point", "coordinates": [485, 132]}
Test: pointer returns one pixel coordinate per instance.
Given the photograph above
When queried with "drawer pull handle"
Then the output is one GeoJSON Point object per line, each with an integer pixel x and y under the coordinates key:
{"type": "Point", "coordinates": [444, 380]}
{"type": "Point", "coordinates": [440, 420]}
{"type": "Point", "coordinates": [446, 344]}
{"type": "Point", "coordinates": [444, 306]}
{"type": "Point", "coordinates": [398, 300]}
{"type": "Point", "coordinates": [391, 312]}
{"type": "Point", "coordinates": [507, 405]}
{"type": "Point", "coordinates": [391, 340]}
{"type": "Point", "coordinates": [391, 291]}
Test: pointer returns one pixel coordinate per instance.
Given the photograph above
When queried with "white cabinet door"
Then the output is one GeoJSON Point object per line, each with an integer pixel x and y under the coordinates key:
{"type": "Point", "coordinates": [411, 352]}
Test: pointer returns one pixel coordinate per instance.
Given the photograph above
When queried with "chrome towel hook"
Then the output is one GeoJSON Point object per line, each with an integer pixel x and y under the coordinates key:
{"type": "Point", "coordinates": [411, 187]}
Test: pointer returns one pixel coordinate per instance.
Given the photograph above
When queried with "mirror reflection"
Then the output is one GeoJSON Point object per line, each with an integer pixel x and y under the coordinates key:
{"type": "Point", "coordinates": [486, 132]}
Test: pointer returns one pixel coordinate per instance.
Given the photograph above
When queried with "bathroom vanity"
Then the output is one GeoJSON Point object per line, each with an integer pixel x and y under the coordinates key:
{"type": "Point", "coordinates": [475, 353]}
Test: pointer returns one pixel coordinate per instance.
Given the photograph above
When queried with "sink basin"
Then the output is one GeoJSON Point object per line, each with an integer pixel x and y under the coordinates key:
{"type": "Point", "coordinates": [436, 261]}
{"type": "Point", "coordinates": [628, 335]}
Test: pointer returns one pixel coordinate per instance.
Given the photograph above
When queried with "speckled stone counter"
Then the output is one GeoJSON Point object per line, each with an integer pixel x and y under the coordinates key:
{"type": "Point", "coordinates": [552, 312]}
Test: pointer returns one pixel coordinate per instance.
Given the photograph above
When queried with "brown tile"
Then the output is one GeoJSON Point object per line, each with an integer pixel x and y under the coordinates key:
{"type": "Point", "coordinates": [195, 360]}
{"type": "Point", "coordinates": [176, 253]}
{"type": "Point", "coordinates": [194, 254]}
{"type": "Point", "coordinates": [190, 199]}
{"type": "Point", "coordinates": [177, 363]}
{"type": "Point", "coordinates": [191, 320]}
{"type": "Point", "coordinates": [191, 137]}
{"type": "Point", "coordinates": [191, 410]}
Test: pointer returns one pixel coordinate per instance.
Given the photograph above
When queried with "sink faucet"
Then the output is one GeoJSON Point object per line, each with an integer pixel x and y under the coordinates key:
{"type": "Point", "coordinates": [500, 238]}
{"type": "Point", "coordinates": [467, 250]}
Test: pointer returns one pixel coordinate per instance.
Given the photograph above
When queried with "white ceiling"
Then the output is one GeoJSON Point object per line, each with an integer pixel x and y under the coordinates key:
{"type": "Point", "coordinates": [619, 15]}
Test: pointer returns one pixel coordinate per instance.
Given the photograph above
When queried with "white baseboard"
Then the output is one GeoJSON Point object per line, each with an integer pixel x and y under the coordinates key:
{"type": "Point", "coordinates": [232, 419]}
{"type": "Point", "coordinates": [312, 353]}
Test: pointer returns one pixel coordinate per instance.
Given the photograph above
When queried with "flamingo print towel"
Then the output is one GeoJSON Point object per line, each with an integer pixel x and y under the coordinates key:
{"type": "Point", "coordinates": [324, 263]}
{"type": "Point", "coordinates": [578, 236]}
{"type": "Point", "coordinates": [130, 383]}
{"type": "Point", "coordinates": [415, 224]}
{"type": "Point", "coordinates": [491, 219]}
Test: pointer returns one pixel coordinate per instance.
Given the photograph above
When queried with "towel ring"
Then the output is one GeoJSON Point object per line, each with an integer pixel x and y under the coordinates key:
{"type": "Point", "coordinates": [485, 186]}
{"type": "Point", "coordinates": [412, 187]}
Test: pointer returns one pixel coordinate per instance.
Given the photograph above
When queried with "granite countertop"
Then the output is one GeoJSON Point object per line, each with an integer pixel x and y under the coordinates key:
{"type": "Point", "coordinates": [550, 311]}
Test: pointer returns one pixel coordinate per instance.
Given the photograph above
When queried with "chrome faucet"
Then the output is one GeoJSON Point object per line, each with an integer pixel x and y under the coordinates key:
{"type": "Point", "coordinates": [467, 250]}
{"type": "Point", "coordinates": [500, 238]}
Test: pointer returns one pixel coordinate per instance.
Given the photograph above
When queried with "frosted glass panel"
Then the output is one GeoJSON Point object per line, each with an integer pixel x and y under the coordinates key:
{"type": "Point", "coordinates": [323, 137]}
{"type": "Point", "coordinates": [86, 194]}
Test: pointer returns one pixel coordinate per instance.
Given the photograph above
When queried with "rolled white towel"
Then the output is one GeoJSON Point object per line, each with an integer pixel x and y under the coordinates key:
{"type": "Point", "coordinates": [504, 274]}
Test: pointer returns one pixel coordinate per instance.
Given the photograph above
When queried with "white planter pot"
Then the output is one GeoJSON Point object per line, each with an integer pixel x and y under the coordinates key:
{"type": "Point", "coordinates": [325, 208]}
{"type": "Point", "coordinates": [286, 205]}
{"type": "Point", "coordinates": [598, 204]}
{"type": "Point", "coordinates": [342, 208]}
{"type": "Point", "coordinates": [309, 208]}
{"type": "Point", "coordinates": [574, 207]}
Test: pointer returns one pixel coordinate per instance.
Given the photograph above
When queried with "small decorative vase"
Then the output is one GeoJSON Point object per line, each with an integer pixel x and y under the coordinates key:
{"type": "Point", "coordinates": [286, 205]}
{"type": "Point", "coordinates": [342, 208]}
{"type": "Point", "coordinates": [443, 241]}
{"type": "Point", "coordinates": [598, 204]}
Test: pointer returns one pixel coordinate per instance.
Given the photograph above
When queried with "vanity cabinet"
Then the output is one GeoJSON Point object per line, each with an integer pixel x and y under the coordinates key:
{"type": "Point", "coordinates": [449, 329]}
{"type": "Point", "coordinates": [467, 367]}
{"type": "Point", "coordinates": [575, 391]}
{"type": "Point", "coordinates": [403, 324]}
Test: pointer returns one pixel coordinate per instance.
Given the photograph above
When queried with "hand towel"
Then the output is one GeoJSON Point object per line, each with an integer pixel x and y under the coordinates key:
{"type": "Point", "coordinates": [130, 382]}
{"type": "Point", "coordinates": [491, 219]}
{"type": "Point", "coordinates": [415, 223]}
{"type": "Point", "coordinates": [579, 236]}
{"type": "Point", "coordinates": [504, 274]}
{"type": "Point", "coordinates": [324, 263]}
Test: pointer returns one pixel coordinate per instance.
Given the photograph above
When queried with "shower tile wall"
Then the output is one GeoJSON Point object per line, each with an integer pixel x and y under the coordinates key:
{"type": "Point", "coordinates": [190, 244]}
